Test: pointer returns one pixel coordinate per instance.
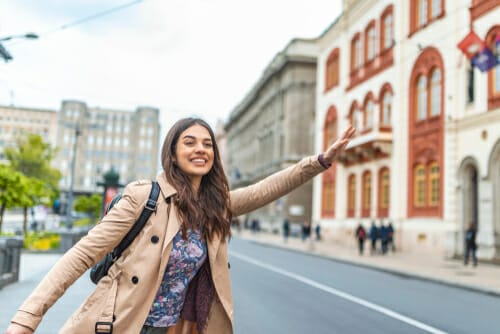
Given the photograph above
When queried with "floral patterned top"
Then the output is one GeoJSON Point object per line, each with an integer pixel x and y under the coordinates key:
{"type": "Point", "coordinates": [186, 258]}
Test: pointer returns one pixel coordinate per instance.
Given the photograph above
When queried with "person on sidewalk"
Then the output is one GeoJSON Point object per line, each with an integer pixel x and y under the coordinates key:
{"type": "Point", "coordinates": [286, 229]}
{"type": "Point", "coordinates": [384, 237]}
{"type": "Point", "coordinates": [390, 237]}
{"type": "Point", "coordinates": [361, 236]}
{"type": "Point", "coordinates": [174, 277]}
{"type": "Point", "coordinates": [470, 244]}
{"type": "Point", "coordinates": [306, 230]}
{"type": "Point", "coordinates": [373, 237]}
{"type": "Point", "coordinates": [317, 230]}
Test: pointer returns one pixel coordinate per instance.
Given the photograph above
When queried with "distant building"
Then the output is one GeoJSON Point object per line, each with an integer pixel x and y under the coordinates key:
{"type": "Point", "coordinates": [272, 128]}
{"type": "Point", "coordinates": [427, 150]}
{"type": "Point", "coordinates": [126, 141]}
{"type": "Point", "coordinates": [15, 121]}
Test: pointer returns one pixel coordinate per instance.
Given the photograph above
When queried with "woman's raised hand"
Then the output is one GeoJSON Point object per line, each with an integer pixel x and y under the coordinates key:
{"type": "Point", "coordinates": [336, 149]}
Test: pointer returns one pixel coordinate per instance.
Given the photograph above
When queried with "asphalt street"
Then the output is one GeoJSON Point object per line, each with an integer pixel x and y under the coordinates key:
{"type": "Point", "coordinates": [277, 291]}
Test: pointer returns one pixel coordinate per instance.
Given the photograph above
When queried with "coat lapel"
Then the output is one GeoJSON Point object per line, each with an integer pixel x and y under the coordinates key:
{"type": "Point", "coordinates": [213, 247]}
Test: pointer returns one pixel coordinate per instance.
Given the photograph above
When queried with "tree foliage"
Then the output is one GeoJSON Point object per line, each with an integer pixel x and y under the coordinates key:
{"type": "Point", "coordinates": [12, 190]}
{"type": "Point", "coordinates": [89, 204]}
{"type": "Point", "coordinates": [33, 157]}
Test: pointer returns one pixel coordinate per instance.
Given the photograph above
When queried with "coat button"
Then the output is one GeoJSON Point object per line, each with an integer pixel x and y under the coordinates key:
{"type": "Point", "coordinates": [154, 239]}
{"type": "Point", "coordinates": [168, 200]}
{"type": "Point", "coordinates": [135, 279]}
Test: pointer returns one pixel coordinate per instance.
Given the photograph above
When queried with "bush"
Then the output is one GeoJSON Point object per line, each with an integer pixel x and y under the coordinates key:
{"type": "Point", "coordinates": [42, 241]}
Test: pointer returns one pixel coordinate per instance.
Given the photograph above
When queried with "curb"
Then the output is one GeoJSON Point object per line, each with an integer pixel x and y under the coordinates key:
{"type": "Point", "coordinates": [397, 272]}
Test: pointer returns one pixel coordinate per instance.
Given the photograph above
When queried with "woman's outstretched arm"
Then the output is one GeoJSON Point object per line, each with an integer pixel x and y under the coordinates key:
{"type": "Point", "coordinates": [244, 200]}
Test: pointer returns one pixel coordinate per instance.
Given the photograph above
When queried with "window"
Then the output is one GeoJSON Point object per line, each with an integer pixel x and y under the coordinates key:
{"type": "Point", "coordinates": [419, 186]}
{"type": "Point", "coordinates": [494, 73]}
{"type": "Point", "coordinates": [422, 12]}
{"type": "Point", "coordinates": [436, 9]}
{"type": "Point", "coordinates": [387, 32]}
{"type": "Point", "coordinates": [356, 116]}
{"type": "Point", "coordinates": [371, 40]}
{"type": "Point", "coordinates": [433, 184]}
{"type": "Point", "coordinates": [367, 194]}
{"type": "Point", "coordinates": [332, 70]}
{"type": "Point", "coordinates": [328, 198]}
{"type": "Point", "coordinates": [386, 109]}
{"type": "Point", "coordinates": [351, 195]}
{"type": "Point", "coordinates": [422, 98]}
{"type": "Point", "coordinates": [435, 93]}
{"type": "Point", "coordinates": [359, 56]}
{"type": "Point", "coordinates": [369, 109]}
{"type": "Point", "coordinates": [384, 189]}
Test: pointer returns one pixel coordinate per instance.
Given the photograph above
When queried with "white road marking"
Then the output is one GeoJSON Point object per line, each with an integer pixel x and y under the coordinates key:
{"type": "Point", "coordinates": [339, 293]}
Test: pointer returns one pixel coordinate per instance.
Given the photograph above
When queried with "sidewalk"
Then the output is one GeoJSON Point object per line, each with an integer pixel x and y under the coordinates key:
{"type": "Point", "coordinates": [34, 266]}
{"type": "Point", "coordinates": [484, 278]}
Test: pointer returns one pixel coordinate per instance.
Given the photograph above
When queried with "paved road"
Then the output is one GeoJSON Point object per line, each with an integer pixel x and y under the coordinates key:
{"type": "Point", "coordinates": [277, 291]}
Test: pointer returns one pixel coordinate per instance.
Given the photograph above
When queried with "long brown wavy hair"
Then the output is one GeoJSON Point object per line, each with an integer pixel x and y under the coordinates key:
{"type": "Point", "coordinates": [210, 209]}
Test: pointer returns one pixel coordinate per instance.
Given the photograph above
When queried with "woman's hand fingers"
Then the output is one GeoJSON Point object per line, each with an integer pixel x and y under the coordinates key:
{"type": "Point", "coordinates": [18, 329]}
{"type": "Point", "coordinates": [340, 144]}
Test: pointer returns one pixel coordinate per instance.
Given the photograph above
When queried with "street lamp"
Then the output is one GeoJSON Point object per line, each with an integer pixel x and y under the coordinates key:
{"type": "Point", "coordinates": [69, 218]}
{"type": "Point", "coordinates": [3, 51]}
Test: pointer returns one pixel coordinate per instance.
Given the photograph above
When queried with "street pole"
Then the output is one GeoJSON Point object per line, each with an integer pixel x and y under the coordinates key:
{"type": "Point", "coordinates": [69, 219]}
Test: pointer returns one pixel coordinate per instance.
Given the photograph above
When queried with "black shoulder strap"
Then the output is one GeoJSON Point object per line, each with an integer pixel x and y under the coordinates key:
{"type": "Point", "coordinates": [149, 208]}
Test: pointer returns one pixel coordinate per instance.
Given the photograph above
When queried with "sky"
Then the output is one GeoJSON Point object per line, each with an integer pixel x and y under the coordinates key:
{"type": "Point", "coordinates": [185, 57]}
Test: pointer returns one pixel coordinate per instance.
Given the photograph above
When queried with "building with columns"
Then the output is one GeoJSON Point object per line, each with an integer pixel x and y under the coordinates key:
{"type": "Point", "coordinates": [272, 128]}
{"type": "Point", "coordinates": [427, 151]}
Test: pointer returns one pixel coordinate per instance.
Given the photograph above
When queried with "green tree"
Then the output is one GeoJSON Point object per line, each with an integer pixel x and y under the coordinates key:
{"type": "Point", "coordinates": [33, 157]}
{"type": "Point", "coordinates": [12, 190]}
{"type": "Point", "coordinates": [89, 204]}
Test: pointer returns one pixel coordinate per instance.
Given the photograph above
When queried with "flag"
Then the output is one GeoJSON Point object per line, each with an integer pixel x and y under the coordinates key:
{"type": "Point", "coordinates": [471, 45]}
{"type": "Point", "coordinates": [484, 60]}
{"type": "Point", "coordinates": [496, 50]}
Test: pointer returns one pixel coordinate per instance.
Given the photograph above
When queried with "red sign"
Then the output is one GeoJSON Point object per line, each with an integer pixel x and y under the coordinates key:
{"type": "Point", "coordinates": [110, 193]}
{"type": "Point", "coordinates": [471, 45]}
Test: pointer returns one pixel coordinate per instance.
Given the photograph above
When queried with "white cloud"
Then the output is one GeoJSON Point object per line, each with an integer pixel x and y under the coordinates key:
{"type": "Point", "coordinates": [183, 56]}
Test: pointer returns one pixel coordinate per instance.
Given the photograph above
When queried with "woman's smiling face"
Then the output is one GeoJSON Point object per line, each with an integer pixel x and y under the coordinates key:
{"type": "Point", "coordinates": [194, 153]}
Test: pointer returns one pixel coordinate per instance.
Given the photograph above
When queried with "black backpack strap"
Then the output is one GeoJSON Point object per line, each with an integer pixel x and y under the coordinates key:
{"type": "Point", "coordinates": [149, 208]}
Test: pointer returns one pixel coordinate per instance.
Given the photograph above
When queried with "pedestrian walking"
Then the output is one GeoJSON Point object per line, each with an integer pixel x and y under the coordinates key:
{"type": "Point", "coordinates": [470, 244]}
{"type": "Point", "coordinates": [384, 237]}
{"type": "Point", "coordinates": [317, 230]}
{"type": "Point", "coordinates": [306, 230]}
{"type": "Point", "coordinates": [373, 237]}
{"type": "Point", "coordinates": [174, 277]}
{"type": "Point", "coordinates": [390, 237]}
{"type": "Point", "coordinates": [286, 229]}
{"type": "Point", "coordinates": [361, 236]}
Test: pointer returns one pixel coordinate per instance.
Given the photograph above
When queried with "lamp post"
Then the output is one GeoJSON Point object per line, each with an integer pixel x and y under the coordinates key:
{"type": "Point", "coordinates": [69, 218]}
{"type": "Point", "coordinates": [3, 51]}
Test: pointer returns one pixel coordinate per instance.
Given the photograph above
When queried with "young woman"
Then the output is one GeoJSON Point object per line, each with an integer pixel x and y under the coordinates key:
{"type": "Point", "coordinates": [174, 277]}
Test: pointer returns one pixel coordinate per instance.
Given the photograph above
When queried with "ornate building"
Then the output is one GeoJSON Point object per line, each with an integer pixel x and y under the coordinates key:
{"type": "Point", "coordinates": [427, 151]}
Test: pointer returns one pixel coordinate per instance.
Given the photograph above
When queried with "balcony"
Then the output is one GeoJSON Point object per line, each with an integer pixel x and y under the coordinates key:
{"type": "Point", "coordinates": [369, 145]}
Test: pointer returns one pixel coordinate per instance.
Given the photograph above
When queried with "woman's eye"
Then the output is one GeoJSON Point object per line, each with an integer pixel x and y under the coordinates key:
{"type": "Point", "coordinates": [189, 143]}
{"type": "Point", "coordinates": [208, 145]}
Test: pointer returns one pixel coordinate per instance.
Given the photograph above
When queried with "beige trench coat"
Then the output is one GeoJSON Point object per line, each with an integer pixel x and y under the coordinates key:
{"type": "Point", "coordinates": [131, 285]}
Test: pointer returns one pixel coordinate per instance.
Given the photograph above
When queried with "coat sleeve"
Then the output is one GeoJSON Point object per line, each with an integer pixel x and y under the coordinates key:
{"type": "Point", "coordinates": [99, 241]}
{"type": "Point", "coordinates": [247, 199]}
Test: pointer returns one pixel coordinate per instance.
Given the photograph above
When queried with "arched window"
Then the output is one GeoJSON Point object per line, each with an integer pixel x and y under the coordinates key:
{"type": "Point", "coordinates": [433, 187]}
{"type": "Point", "coordinates": [419, 185]}
{"type": "Point", "coordinates": [367, 194]}
{"type": "Point", "coordinates": [358, 60]}
{"type": "Point", "coordinates": [387, 32]}
{"type": "Point", "coordinates": [386, 109]}
{"type": "Point", "coordinates": [369, 110]}
{"type": "Point", "coordinates": [421, 98]}
{"type": "Point", "coordinates": [436, 8]}
{"type": "Point", "coordinates": [332, 69]}
{"type": "Point", "coordinates": [356, 116]}
{"type": "Point", "coordinates": [422, 12]}
{"type": "Point", "coordinates": [328, 177]}
{"type": "Point", "coordinates": [371, 42]}
{"type": "Point", "coordinates": [494, 74]}
{"type": "Point", "coordinates": [436, 91]}
{"type": "Point", "coordinates": [384, 192]}
{"type": "Point", "coordinates": [351, 195]}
